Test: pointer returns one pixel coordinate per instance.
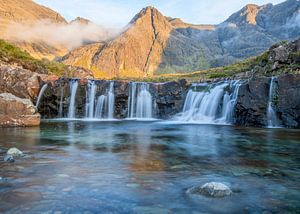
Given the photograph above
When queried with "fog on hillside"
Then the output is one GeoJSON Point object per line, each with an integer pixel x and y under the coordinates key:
{"type": "Point", "coordinates": [69, 35]}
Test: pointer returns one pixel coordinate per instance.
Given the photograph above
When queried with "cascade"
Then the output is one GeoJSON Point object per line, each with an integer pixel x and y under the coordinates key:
{"type": "Point", "coordinates": [140, 101]}
{"type": "Point", "coordinates": [105, 106]}
{"type": "Point", "coordinates": [111, 101]}
{"type": "Point", "coordinates": [60, 110]}
{"type": "Point", "coordinates": [210, 103]}
{"type": "Point", "coordinates": [90, 101]}
{"type": "Point", "coordinates": [43, 89]}
{"type": "Point", "coordinates": [100, 107]}
{"type": "Point", "coordinates": [271, 115]}
{"type": "Point", "coordinates": [73, 88]}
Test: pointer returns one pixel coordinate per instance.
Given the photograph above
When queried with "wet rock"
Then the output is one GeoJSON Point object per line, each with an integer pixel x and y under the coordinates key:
{"type": "Point", "coordinates": [212, 189]}
{"type": "Point", "coordinates": [167, 97]}
{"type": "Point", "coordinates": [14, 152]}
{"type": "Point", "coordinates": [252, 103]}
{"type": "Point", "coordinates": [288, 102]}
{"type": "Point", "coordinates": [9, 158]}
{"type": "Point", "coordinates": [15, 111]}
{"type": "Point", "coordinates": [253, 97]}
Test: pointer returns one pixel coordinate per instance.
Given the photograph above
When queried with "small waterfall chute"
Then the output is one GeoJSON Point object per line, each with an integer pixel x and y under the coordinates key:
{"type": "Point", "coordinates": [105, 105]}
{"type": "Point", "coordinates": [60, 109]}
{"type": "Point", "coordinates": [140, 103]}
{"type": "Point", "coordinates": [273, 121]}
{"type": "Point", "coordinates": [73, 89]}
{"type": "Point", "coordinates": [210, 103]}
{"type": "Point", "coordinates": [90, 101]}
{"type": "Point", "coordinates": [111, 101]}
{"type": "Point", "coordinates": [100, 108]}
{"type": "Point", "coordinates": [41, 93]}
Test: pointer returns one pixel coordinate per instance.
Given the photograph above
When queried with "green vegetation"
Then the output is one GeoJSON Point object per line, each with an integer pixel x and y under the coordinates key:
{"type": "Point", "coordinates": [259, 66]}
{"type": "Point", "coordinates": [13, 55]}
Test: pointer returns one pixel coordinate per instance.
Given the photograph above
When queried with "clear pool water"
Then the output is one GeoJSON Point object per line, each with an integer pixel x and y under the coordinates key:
{"type": "Point", "coordinates": [146, 167]}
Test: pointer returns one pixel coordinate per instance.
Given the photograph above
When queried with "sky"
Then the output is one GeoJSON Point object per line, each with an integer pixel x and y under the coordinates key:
{"type": "Point", "coordinates": [118, 13]}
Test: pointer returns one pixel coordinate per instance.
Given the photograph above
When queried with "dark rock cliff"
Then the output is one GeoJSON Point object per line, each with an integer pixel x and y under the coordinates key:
{"type": "Point", "coordinates": [252, 103]}
{"type": "Point", "coordinates": [168, 98]}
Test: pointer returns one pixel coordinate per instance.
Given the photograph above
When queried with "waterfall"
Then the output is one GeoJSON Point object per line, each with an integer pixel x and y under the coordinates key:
{"type": "Point", "coordinates": [140, 101]}
{"type": "Point", "coordinates": [105, 106]}
{"type": "Point", "coordinates": [111, 101]}
{"type": "Point", "coordinates": [60, 110]}
{"type": "Point", "coordinates": [213, 103]}
{"type": "Point", "coordinates": [73, 88]}
{"type": "Point", "coordinates": [271, 115]}
{"type": "Point", "coordinates": [100, 108]}
{"type": "Point", "coordinates": [229, 102]}
{"type": "Point", "coordinates": [90, 101]}
{"type": "Point", "coordinates": [43, 89]}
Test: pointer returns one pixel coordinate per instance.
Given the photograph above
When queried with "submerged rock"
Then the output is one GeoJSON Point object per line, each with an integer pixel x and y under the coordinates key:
{"type": "Point", "coordinates": [212, 189]}
{"type": "Point", "coordinates": [9, 158]}
{"type": "Point", "coordinates": [14, 152]}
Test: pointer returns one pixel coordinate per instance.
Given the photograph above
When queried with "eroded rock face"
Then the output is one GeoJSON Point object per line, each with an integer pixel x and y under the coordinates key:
{"type": "Point", "coordinates": [20, 82]}
{"type": "Point", "coordinates": [252, 103]}
{"type": "Point", "coordinates": [251, 106]}
{"type": "Point", "coordinates": [288, 104]}
{"type": "Point", "coordinates": [15, 111]}
{"type": "Point", "coordinates": [168, 97]}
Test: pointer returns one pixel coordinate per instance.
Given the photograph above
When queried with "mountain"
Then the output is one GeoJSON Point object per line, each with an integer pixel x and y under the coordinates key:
{"type": "Point", "coordinates": [14, 12]}
{"type": "Point", "coordinates": [44, 33]}
{"type": "Point", "coordinates": [155, 44]}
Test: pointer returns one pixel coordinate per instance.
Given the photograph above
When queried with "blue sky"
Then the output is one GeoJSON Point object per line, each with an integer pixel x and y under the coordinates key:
{"type": "Point", "coordinates": [118, 13]}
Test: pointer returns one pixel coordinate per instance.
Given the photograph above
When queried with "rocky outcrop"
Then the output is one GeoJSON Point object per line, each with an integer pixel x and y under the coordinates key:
{"type": "Point", "coordinates": [168, 98]}
{"type": "Point", "coordinates": [15, 112]}
{"type": "Point", "coordinates": [252, 103]}
{"type": "Point", "coordinates": [20, 82]}
{"type": "Point", "coordinates": [288, 102]}
{"type": "Point", "coordinates": [253, 98]}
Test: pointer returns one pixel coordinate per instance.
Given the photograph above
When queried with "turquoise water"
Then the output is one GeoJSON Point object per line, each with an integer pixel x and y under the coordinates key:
{"type": "Point", "coordinates": [146, 167]}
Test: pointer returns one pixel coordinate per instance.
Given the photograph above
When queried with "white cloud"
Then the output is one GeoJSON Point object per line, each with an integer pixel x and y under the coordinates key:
{"type": "Point", "coordinates": [70, 35]}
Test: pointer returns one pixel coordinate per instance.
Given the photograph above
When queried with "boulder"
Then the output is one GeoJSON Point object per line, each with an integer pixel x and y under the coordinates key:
{"type": "Point", "coordinates": [14, 152]}
{"type": "Point", "coordinates": [212, 189]}
{"type": "Point", "coordinates": [20, 82]}
{"type": "Point", "coordinates": [15, 111]}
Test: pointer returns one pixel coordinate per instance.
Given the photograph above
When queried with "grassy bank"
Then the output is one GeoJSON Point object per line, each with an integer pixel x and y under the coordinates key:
{"type": "Point", "coordinates": [10, 54]}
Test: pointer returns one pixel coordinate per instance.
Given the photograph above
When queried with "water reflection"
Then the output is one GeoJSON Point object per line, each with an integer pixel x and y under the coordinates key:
{"type": "Point", "coordinates": [126, 166]}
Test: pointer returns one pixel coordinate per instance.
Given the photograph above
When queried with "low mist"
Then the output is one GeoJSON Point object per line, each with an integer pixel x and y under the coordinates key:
{"type": "Point", "coordinates": [69, 35]}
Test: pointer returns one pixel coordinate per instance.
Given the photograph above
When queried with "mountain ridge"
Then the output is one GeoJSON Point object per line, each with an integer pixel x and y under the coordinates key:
{"type": "Point", "coordinates": [155, 44]}
{"type": "Point", "coordinates": [183, 47]}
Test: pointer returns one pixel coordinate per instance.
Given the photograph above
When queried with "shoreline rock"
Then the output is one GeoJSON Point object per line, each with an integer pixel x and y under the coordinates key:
{"type": "Point", "coordinates": [16, 112]}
